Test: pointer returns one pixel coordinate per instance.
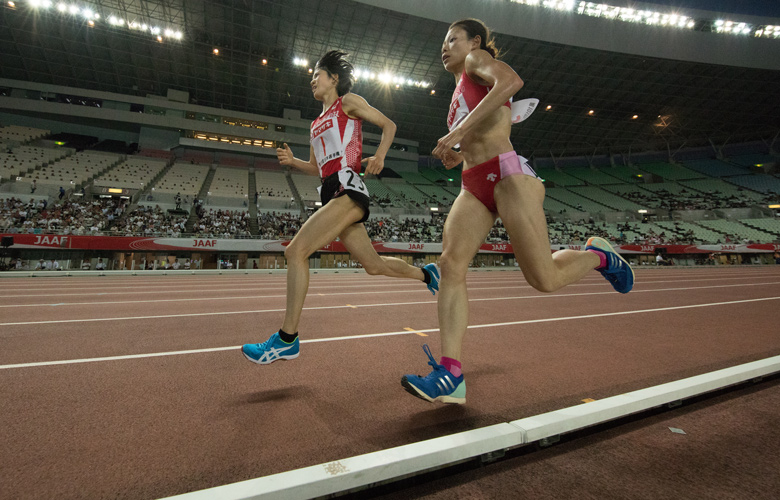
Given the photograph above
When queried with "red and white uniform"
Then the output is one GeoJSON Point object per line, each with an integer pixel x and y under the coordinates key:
{"type": "Point", "coordinates": [468, 94]}
{"type": "Point", "coordinates": [337, 140]}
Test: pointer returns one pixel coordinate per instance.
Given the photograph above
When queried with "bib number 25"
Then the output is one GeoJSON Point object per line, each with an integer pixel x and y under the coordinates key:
{"type": "Point", "coordinates": [350, 180]}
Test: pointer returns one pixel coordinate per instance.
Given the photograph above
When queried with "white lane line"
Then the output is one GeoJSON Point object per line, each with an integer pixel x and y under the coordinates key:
{"type": "Point", "coordinates": [387, 334]}
{"type": "Point", "coordinates": [255, 297]}
{"type": "Point", "coordinates": [365, 280]}
{"type": "Point", "coordinates": [316, 308]}
{"type": "Point", "coordinates": [171, 280]}
{"type": "Point", "coordinates": [597, 282]}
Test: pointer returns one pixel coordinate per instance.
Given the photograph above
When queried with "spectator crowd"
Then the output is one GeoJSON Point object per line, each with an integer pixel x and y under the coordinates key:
{"type": "Point", "coordinates": [63, 217]}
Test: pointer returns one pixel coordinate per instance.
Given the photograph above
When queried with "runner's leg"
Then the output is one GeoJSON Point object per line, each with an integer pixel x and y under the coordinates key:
{"type": "Point", "coordinates": [356, 239]}
{"type": "Point", "coordinates": [319, 230]}
{"type": "Point", "coordinates": [519, 199]}
{"type": "Point", "coordinates": [465, 229]}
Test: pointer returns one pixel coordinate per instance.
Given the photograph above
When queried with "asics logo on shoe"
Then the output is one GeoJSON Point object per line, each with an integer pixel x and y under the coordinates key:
{"type": "Point", "coordinates": [273, 353]}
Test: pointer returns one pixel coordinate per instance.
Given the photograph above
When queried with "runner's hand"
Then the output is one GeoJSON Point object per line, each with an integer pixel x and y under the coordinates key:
{"type": "Point", "coordinates": [374, 164]}
{"type": "Point", "coordinates": [285, 155]}
{"type": "Point", "coordinates": [448, 142]}
{"type": "Point", "coordinates": [451, 159]}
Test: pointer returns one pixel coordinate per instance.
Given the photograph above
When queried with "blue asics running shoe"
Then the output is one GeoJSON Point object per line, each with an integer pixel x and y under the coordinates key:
{"type": "Point", "coordinates": [439, 385]}
{"type": "Point", "coordinates": [433, 272]}
{"type": "Point", "coordinates": [271, 350]}
{"type": "Point", "coordinates": [618, 271]}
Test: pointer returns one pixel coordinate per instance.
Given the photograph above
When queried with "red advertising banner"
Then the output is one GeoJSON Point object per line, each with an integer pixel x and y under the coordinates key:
{"type": "Point", "coordinates": [156, 244]}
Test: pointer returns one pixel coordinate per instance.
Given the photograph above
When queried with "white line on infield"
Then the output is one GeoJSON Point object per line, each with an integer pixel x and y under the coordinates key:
{"type": "Point", "coordinates": [364, 470]}
{"type": "Point", "coordinates": [175, 290]}
{"type": "Point", "coordinates": [387, 334]}
{"type": "Point", "coordinates": [254, 297]}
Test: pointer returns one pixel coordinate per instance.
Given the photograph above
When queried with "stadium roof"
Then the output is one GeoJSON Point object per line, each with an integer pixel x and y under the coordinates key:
{"type": "Point", "coordinates": [677, 103]}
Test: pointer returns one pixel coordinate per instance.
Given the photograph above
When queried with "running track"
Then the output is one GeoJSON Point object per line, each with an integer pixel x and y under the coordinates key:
{"type": "Point", "coordinates": [133, 387]}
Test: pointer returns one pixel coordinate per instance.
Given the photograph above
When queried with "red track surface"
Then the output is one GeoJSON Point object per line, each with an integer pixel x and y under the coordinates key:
{"type": "Point", "coordinates": [155, 426]}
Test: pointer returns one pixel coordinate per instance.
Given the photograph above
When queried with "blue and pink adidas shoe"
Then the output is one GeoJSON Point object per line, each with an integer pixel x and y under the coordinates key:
{"type": "Point", "coordinates": [617, 271]}
{"type": "Point", "coordinates": [439, 385]}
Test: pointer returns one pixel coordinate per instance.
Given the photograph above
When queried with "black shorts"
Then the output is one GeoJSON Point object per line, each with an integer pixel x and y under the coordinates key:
{"type": "Point", "coordinates": [332, 187]}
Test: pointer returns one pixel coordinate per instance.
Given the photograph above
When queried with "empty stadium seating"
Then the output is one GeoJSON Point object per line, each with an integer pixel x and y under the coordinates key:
{"type": "Point", "coordinates": [21, 135]}
{"type": "Point", "coordinates": [272, 188]}
{"type": "Point", "coordinates": [135, 173]}
{"type": "Point", "coordinates": [229, 187]}
{"type": "Point", "coordinates": [184, 178]}
{"type": "Point", "coordinates": [307, 186]}
{"type": "Point", "coordinates": [23, 159]}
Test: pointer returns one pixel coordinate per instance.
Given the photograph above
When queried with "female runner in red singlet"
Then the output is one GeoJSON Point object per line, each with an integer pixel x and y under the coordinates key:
{"type": "Point", "coordinates": [335, 155]}
{"type": "Point", "coordinates": [496, 182]}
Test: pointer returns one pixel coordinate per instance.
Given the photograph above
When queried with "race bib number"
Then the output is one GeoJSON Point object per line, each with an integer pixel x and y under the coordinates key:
{"type": "Point", "coordinates": [350, 180]}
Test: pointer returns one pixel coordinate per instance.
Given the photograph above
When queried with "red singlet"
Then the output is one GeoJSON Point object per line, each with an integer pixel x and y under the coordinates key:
{"type": "Point", "coordinates": [467, 95]}
{"type": "Point", "coordinates": [337, 140]}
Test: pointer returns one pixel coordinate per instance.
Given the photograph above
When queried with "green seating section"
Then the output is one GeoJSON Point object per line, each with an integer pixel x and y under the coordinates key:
{"type": "Point", "coordinates": [606, 198]}
{"type": "Point", "coordinates": [771, 226]}
{"type": "Point", "coordinates": [740, 230]}
{"type": "Point", "coordinates": [670, 172]}
{"type": "Point", "coordinates": [559, 178]}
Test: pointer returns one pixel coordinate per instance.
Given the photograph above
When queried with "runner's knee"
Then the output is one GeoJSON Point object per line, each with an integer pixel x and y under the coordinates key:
{"type": "Point", "coordinates": [373, 268]}
{"type": "Point", "coordinates": [541, 283]}
{"type": "Point", "coordinates": [453, 268]}
{"type": "Point", "coordinates": [294, 252]}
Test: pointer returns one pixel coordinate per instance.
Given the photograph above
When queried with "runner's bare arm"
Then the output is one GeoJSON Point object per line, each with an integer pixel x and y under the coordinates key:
{"type": "Point", "coordinates": [484, 69]}
{"type": "Point", "coordinates": [356, 106]}
{"type": "Point", "coordinates": [285, 156]}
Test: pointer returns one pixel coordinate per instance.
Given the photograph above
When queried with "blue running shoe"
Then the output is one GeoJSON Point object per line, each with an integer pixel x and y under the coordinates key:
{"type": "Point", "coordinates": [271, 350]}
{"type": "Point", "coordinates": [618, 271]}
{"type": "Point", "coordinates": [439, 385]}
{"type": "Point", "coordinates": [433, 272]}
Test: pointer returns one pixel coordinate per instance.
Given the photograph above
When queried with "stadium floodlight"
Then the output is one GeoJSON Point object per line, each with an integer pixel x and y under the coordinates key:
{"type": "Point", "coordinates": [73, 9]}
{"type": "Point", "coordinates": [628, 14]}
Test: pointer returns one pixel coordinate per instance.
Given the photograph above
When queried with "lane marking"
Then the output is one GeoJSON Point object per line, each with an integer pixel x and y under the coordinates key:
{"type": "Point", "coordinates": [175, 288]}
{"type": "Point", "coordinates": [412, 330]}
{"type": "Point", "coordinates": [383, 304]}
{"type": "Point", "coordinates": [600, 282]}
{"type": "Point", "coordinates": [350, 305]}
{"type": "Point", "coordinates": [387, 334]}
